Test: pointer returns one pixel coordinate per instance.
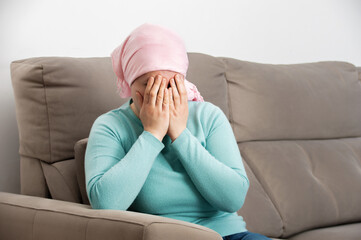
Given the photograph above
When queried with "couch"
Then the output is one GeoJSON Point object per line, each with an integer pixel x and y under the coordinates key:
{"type": "Point", "coordinates": [298, 128]}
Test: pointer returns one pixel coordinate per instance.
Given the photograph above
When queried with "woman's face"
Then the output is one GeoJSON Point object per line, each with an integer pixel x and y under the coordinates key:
{"type": "Point", "coordinates": [140, 84]}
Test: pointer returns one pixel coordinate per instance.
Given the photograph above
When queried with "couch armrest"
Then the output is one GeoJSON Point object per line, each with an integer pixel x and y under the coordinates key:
{"type": "Point", "coordinates": [29, 217]}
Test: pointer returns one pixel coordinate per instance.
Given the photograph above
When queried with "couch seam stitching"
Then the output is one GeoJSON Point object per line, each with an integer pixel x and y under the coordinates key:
{"type": "Point", "coordinates": [32, 234]}
{"type": "Point", "coordinates": [228, 96]}
{"type": "Point", "coordinates": [47, 109]}
{"type": "Point", "coordinates": [86, 228]}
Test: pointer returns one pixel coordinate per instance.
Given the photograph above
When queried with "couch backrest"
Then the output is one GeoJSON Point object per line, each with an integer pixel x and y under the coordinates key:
{"type": "Point", "coordinates": [297, 127]}
{"type": "Point", "coordinates": [57, 99]}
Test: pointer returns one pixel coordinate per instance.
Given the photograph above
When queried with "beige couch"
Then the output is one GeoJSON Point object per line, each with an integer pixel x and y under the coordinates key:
{"type": "Point", "coordinates": [298, 127]}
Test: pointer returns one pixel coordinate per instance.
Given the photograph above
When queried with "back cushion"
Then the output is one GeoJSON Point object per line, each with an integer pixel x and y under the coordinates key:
{"type": "Point", "coordinates": [312, 183]}
{"type": "Point", "coordinates": [297, 101]}
{"type": "Point", "coordinates": [58, 99]}
{"type": "Point", "coordinates": [298, 128]}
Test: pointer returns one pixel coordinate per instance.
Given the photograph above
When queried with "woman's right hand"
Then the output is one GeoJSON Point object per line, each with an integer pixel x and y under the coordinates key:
{"type": "Point", "coordinates": [154, 109]}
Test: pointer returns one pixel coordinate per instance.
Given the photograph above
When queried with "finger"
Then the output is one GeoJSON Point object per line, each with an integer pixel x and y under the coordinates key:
{"type": "Point", "coordinates": [140, 99]}
{"type": "Point", "coordinates": [171, 101]}
{"type": "Point", "coordinates": [147, 90]}
{"type": "Point", "coordinates": [154, 91]}
{"type": "Point", "coordinates": [181, 87]}
{"type": "Point", "coordinates": [166, 100]}
{"type": "Point", "coordinates": [160, 95]}
{"type": "Point", "coordinates": [176, 98]}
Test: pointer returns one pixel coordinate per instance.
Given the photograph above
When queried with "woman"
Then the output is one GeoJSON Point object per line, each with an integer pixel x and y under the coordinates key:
{"type": "Point", "coordinates": [165, 151]}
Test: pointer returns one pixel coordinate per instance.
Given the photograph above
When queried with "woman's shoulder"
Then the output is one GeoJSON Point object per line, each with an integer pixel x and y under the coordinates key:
{"type": "Point", "coordinates": [111, 123]}
{"type": "Point", "coordinates": [108, 116]}
{"type": "Point", "coordinates": [203, 105]}
{"type": "Point", "coordinates": [112, 118]}
{"type": "Point", "coordinates": [207, 109]}
{"type": "Point", "coordinates": [208, 114]}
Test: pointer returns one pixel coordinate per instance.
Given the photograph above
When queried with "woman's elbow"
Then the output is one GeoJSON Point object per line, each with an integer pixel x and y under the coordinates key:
{"type": "Point", "coordinates": [240, 197]}
{"type": "Point", "coordinates": [96, 195]}
{"type": "Point", "coordinates": [93, 197]}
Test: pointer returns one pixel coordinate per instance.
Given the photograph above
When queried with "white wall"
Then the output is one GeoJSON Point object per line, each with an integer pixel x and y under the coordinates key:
{"type": "Point", "coordinates": [265, 31]}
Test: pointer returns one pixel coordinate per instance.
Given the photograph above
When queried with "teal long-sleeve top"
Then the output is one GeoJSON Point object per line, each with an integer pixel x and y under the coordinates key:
{"type": "Point", "coordinates": [198, 178]}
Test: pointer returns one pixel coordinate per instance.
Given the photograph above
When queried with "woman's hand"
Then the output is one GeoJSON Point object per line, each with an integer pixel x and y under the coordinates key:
{"type": "Point", "coordinates": [154, 112]}
{"type": "Point", "coordinates": [178, 107]}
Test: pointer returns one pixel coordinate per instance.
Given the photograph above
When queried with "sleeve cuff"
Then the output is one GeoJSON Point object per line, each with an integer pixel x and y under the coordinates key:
{"type": "Point", "coordinates": [181, 141]}
{"type": "Point", "coordinates": [151, 138]}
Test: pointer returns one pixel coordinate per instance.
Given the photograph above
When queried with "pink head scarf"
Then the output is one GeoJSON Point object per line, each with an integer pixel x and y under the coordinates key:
{"type": "Point", "coordinates": [149, 48]}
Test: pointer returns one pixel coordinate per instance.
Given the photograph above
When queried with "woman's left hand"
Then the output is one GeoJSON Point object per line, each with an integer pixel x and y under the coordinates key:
{"type": "Point", "coordinates": [178, 107]}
